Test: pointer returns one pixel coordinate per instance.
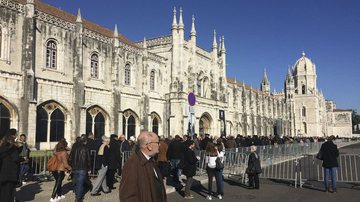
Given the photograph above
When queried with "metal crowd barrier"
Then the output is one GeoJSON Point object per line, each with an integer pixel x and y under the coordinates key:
{"type": "Point", "coordinates": [348, 171]}
{"type": "Point", "coordinates": [276, 160]}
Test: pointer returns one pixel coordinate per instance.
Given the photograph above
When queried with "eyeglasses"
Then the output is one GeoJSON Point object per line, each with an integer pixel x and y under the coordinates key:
{"type": "Point", "coordinates": [154, 142]}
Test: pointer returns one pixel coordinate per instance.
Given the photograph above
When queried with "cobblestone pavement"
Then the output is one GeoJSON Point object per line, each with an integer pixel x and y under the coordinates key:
{"type": "Point", "coordinates": [270, 191]}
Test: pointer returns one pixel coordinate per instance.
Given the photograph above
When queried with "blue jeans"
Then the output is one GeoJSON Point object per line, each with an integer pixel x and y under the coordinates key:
{"type": "Point", "coordinates": [327, 172]}
{"type": "Point", "coordinates": [80, 177]}
{"type": "Point", "coordinates": [24, 168]}
{"type": "Point", "coordinates": [175, 169]}
{"type": "Point", "coordinates": [219, 181]}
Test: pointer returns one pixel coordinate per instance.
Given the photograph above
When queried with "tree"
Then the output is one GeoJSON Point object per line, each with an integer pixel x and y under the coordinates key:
{"type": "Point", "coordinates": [355, 121]}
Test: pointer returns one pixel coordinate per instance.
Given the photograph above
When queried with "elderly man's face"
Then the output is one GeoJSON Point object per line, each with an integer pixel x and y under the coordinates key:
{"type": "Point", "coordinates": [153, 146]}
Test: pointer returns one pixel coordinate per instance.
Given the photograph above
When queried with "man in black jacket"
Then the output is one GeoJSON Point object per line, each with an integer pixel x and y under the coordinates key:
{"type": "Point", "coordinates": [175, 154]}
{"type": "Point", "coordinates": [80, 162]}
{"type": "Point", "coordinates": [329, 153]}
{"type": "Point", "coordinates": [114, 161]}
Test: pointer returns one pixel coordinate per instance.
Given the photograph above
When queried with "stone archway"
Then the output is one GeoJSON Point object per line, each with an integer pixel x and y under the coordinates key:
{"type": "Point", "coordinates": [205, 124]}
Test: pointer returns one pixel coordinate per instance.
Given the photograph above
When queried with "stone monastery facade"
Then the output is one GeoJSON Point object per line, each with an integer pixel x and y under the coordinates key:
{"type": "Point", "coordinates": [62, 76]}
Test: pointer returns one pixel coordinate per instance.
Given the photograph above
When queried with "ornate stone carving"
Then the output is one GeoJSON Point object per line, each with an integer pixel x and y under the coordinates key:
{"type": "Point", "coordinates": [12, 5]}
{"type": "Point", "coordinates": [54, 20]}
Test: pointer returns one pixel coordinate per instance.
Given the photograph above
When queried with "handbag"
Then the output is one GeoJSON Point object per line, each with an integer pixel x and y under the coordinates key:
{"type": "Point", "coordinates": [219, 164]}
{"type": "Point", "coordinates": [320, 155]}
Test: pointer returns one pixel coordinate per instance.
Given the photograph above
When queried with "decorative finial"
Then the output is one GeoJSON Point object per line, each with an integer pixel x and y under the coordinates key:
{"type": "Point", "coordinates": [214, 45]}
{"type": "Point", "coordinates": [116, 33]}
{"type": "Point", "coordinates": [144, 43]}
{"type": "Point", "coordinates": [181, 24]}
{"type": "Point", "coordinates": [223, 44]}
{"type": "Point", "coordinates": [174, 24]}
{"type": "Point", "coordinates": [193, 31]}
{"type": "Point", "coordinates": [303, 54]}
{"type": "Point", "coordinates": [78, 18]}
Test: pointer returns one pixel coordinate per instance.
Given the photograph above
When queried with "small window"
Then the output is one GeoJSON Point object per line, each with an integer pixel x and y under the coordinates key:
{"type": "Point", "coordinates": [303, 111]}
{"type": "Point", "coordinates": [303, 89]}
{"type": "Point", "coordinates": [51, 54]}
{"type": "Point", "coordinates": [94, 68]}
{"type": "Point", "coordinates": [127, 74]}
{"type": "Point", "coordinates": [152, 80]}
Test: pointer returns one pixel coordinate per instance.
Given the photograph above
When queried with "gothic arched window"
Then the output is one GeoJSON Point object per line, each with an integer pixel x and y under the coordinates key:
{"type": "Point", "coordinates": [155, 126]}
{"type": "Point", "coordinates": [127, 74]}
{"type": "Point", "coordinates": [152, 80]}
{"type": "Point", "coordinates": [51, 54]}
{"type": "Point", "coordinates": [303, 89]}
{"type": "Point", "coordinates": [303, 111]}
{"type": "Point", "coordinates": [94, 68]}
{"type": "Point", "coordinates": [4, 120]}
{"type": "Point", "coordinates": [57, 125]}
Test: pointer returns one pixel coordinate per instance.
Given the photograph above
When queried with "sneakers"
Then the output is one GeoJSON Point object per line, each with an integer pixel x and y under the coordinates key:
{"type": "Point", "coordinates": [209, 198]}
{"type": "Point", "coordinates": [53, 200]}
{"type": "Point", "coordinates": [189, 196]}
{"type": "Point", "coordinates": [219, 196]}
{"type": "Point", "coordinates": [61, 197]}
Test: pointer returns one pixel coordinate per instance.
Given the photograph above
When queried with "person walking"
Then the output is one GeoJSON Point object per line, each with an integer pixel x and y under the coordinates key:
{"type": "Point", "coordinates": [254, 168]}
{"type": "Point", "coordinates": [210, 162]}
{"type": "Point", "coordinates": [329, 153]}
{"type": "Point", "coordinates": [114, 161]}
{"type": "Point", "coordinates": [24, 158]}
{"type": "Point", "coordinates": [102, 161]}
{"type": "Point", "coordinates": [9, 166]}
{"type": "Point", "coordinates": [142, 180]}
{"type": "Point", "coordinates": [189, 169]}
{"type": "Point", "coordinates": [175, 154]}
{"type": "Point", "coordinates": [80, 163]}
{"type": "Point", "coordinates": [62, 167]}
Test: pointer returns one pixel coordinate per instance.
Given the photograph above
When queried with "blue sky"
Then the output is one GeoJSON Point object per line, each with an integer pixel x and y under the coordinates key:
{"type": "Point", "coordinates": [258, 34]}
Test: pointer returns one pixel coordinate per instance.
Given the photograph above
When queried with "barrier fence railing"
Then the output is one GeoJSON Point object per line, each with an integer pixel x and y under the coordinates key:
{"type": "Point", "coordinates": [274, 159]}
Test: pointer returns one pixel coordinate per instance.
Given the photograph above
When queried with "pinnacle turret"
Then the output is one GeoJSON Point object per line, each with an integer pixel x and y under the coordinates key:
{"type": "Point", "coordinates": [78, 18]}
{"type": "Point", "coordinates": [116, 33]}
{"type": "Point", "coordinates": [181, 23]}
{"type": "Point", "coordinates": [193, 31]}
{"type": "Point", "coordinates": [174, 23]}
{"type": "Point", "coordinates": [214, 45]}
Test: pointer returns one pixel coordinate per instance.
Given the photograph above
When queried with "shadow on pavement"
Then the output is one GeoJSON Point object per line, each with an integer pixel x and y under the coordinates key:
{"type": "Point", "coordinates": [28, 192]}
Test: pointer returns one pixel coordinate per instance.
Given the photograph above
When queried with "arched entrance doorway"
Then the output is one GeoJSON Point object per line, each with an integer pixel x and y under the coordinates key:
{"type": "Point", "coordinates": [205, 124]}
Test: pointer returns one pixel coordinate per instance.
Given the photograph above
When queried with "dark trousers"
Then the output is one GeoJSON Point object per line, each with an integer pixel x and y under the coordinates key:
{"type": "Point", "coordinates": [7, 191]}
{"type": "Point", "coordinates": [211, 174]}
{"type": "Point", "coordinates": [189, 181]}
{"type": "Point", "coordinates": [254, 178]}
{"type": "Point", "coordinates": [110, 178]}
{"type": "Point", "coordinates": [59, 176]}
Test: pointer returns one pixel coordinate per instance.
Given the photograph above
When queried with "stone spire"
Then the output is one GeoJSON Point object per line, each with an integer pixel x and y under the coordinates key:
{"type": "Point", "coordinates": [265, 79]}
{"type": "Point", "coordinates": [181, 24]}
{"type": "Point", "coordinates": [289, 75]}
{"type": "Point", "coordinates": [214, 45]}
{"type": "Point", "coordinates": [303, 54]}
{"type": "Point", "coordinates": [116, 33]}
{"type": "Point", "coordinates": [174, 23]}
{"type": "Point", "coordinates": [223, 50]}
{"type": "Point", "coordinates": [78, 18]}
{"type": "Point", "coordinates": [193, 31]}
{"type": "Point", "coordinates": [144, 43]}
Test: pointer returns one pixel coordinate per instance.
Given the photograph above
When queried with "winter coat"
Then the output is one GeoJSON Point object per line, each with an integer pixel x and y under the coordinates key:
{"type": "Point", "coordinates": [9, 163]}
{"type": "Point", "coordinates": [330, 153]}
{"type": "Point", "coordinates": [254, 166]}
{"type": "Point", "coordinates": [139, 182]}
{"type": "Point", "coordinates": [80, 158]}
{"type": "Point", "coordinates": [190, 160]}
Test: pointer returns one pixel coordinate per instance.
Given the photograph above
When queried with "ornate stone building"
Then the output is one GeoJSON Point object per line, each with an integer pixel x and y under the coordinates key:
{"type": "Point", "coordinates": [62, 76]}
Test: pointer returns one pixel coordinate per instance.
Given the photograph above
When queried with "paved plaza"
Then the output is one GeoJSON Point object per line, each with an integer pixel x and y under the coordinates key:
{"type": "Point", "coordinates": [270, 190]}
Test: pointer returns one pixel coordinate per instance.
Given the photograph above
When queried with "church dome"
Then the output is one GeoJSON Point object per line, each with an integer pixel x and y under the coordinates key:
{"type": "Point", "coordinates": [304, 66]}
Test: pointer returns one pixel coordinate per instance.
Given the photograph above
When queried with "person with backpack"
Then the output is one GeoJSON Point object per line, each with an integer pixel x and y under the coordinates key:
{"type": "Point", "coordinates": [210, 160]}
{"type": "Point", "coordinates": [59, 165]}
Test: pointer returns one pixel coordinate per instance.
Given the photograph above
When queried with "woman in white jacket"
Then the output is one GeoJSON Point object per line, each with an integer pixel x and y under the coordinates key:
{"type": "Point", "coordinates": [210, 161]}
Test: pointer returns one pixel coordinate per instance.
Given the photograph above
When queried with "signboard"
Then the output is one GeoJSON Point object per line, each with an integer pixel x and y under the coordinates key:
{"type": "Point", "coordinates": [191, 99]}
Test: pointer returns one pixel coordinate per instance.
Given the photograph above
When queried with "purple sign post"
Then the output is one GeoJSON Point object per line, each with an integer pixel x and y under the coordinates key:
{"type": "Point", "coordinates": [191, 121]}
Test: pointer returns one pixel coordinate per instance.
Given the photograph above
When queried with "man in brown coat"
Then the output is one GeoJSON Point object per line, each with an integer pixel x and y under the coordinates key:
{"type": "Point", "coordinates": [142, 180]}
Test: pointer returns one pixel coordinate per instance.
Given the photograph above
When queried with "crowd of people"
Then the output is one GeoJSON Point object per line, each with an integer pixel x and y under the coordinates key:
{"type": "Point", "coordinates": [154, 162]}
